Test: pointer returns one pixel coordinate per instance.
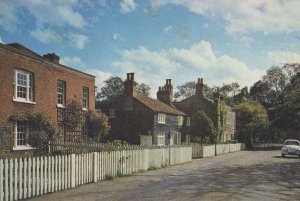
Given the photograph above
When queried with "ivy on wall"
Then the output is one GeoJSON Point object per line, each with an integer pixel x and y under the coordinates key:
{"type": "Point", "coordinates": [41, 129]}
{"type": "Point", "coordinates": [215, 110]}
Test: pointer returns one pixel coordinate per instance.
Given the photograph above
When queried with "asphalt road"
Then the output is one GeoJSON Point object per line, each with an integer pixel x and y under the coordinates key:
{"type": "Point", "coordinates": [246, 175]}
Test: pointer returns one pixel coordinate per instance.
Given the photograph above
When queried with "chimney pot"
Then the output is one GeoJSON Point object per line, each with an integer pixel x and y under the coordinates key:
{"type": "Point", "coordinates": [52, 57]}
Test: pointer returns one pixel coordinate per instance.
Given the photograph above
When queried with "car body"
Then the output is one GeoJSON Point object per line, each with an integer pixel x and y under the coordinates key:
{"type": "Point", "coordinates": [291, 147]}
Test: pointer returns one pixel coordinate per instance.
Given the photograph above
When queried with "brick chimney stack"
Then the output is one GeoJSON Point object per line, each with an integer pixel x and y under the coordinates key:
{"type": "Point", "coordinates": [52, 57]}
{"type": "Point", "coordinates": [130, 85]}
{"type": "Point", "coordinates": [165, 93]}
{"type": "Point", "coordinates": [199, 87]}
{"type": "Point", "coordinates": [129, 91]}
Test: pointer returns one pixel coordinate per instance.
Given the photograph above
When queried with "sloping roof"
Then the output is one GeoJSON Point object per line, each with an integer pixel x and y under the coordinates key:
{"type": "Point", "coordinates": [158, 106]}
{"type": "Point", "coordinates": [25, 50]}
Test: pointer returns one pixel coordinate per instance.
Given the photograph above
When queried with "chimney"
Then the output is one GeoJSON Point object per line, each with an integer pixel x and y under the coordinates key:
{"type": "Point", "coordinates": [216, 94]}
{"type": "Point", "coordinates": [199, 87]}
{"type": "Point", "coordinates": [165, 93]}
{"type": "Point", "coordinates": [129, 91]}
{"type": "Point", "coordinates": [52, 57]}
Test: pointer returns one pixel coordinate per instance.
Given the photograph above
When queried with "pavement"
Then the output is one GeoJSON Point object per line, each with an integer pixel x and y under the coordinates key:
{"type": "Point", "coordinates": [245, 175]}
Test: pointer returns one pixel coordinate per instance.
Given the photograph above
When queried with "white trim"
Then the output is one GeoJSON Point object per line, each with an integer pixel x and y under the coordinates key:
{"type": "Point", "coordinates": [84, 109]}
{"type": "Point", "coordinates": [23, 148]}
{"type": "Point", "coordinates": [162, 137]}
{"type": "Point", "coordinates": [161, 118]}
{"type": "Point", "coordinates": [22, 100]}
{"type": "Point", "coordinates": [60, 105]}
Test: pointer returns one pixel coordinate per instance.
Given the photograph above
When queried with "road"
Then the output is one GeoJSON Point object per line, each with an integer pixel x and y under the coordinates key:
{"type": "Point", "coordinates": [246, 175]}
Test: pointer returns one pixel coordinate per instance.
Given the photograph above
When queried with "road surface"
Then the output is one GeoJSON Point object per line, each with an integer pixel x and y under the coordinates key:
{"type": "Point", "coordinates": [245, 175]}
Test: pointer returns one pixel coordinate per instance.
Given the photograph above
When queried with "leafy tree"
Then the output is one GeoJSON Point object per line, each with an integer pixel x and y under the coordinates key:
{"type": "Point", "coordinates": [114, 86]}
{"type": "Point", "coordinates": [286, 117]}
{"type": "Point", "coordinates": [188, 89]}
{"type": "Point", "coordinates": [143, 89]}
{"type": "Point", "coordinates": [252, 122]}
{"type": "Point", "coordinates": [202, 127]}
{"type": "Point", "coordinates": [229, 91]}
{"type": "Point", "coordinates": [97, 125]}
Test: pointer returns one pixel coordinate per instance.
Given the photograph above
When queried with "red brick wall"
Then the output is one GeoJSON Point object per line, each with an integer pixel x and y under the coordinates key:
{"type": "Point", "coordinates": [46, 75]}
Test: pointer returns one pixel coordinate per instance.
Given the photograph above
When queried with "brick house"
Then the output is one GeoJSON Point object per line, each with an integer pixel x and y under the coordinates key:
{"type": "Point", "coordinates": [134, 117]}
{"type": "Point", "coordinates": [33, 83]}
{"type": "Point", "coordinates": [221, 115]}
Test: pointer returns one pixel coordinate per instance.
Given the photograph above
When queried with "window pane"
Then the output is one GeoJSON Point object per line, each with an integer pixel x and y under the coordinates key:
{"type": "Point", "coordinates": [61, 90]}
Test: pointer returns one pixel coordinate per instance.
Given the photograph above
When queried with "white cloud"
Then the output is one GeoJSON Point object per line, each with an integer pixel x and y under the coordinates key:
{"type": "Point", "coordinates": [281, 57]}
{"type": "Point", "coordinates": [117, 36]}
{"type": "Point", "coordinates": [60, 35]}
{"type": "Point", "coordinates": [78, 40]}
{"type": "Point", "coordinates": [100, 77]}
{"type": "Point", "coordinates": [167, 29]}
{"type": "Point", "coordinates": [127, 6]}
{"type": "Point", "coordinates": [8, 19]}
{"type": "Point", "coordinates": [243, 17]}
{"type": "Point", "coordinates": [183, 65]}
{"type": "Point", "coordinates": [72, 61]}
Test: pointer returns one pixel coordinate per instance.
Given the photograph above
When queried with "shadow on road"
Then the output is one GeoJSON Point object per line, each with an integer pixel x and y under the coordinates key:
{"type": "Point", "coordinates": [276, 181]}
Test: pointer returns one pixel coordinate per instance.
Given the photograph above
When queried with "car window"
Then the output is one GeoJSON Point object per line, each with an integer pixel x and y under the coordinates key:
{"type": "Point", "coordinates": [291, 143]}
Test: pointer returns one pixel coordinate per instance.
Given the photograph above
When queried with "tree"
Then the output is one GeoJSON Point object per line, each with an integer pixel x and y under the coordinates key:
{"type": "Point", "coordinates": [114, 86]}
{"type": "Point", "coordinates": [97, 125]}
{"type": "Point", "coordinates": [188, 89]}
{"type": "Point", "coordinates": [286, 117]}
{"type": "Point", "coordinates": [143, 89]}
{"type": "Point", "coordinates": [251, 122]}
{"type": "Point", "coordinates": [202, 127]}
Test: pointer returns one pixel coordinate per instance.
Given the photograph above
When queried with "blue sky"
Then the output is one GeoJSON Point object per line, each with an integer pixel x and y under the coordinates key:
{"type": "Point", "coordinates": [220, 40]}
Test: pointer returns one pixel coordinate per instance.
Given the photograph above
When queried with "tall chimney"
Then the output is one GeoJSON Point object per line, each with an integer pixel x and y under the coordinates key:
{"type": "Point", "coordinates": [52, 57]}
{"type": "Point", "coordinates": [165, 93]}
{"type": "Point", "coordinates": [199, 87]}
{"type": "Point", "coordinates": [129, 91]}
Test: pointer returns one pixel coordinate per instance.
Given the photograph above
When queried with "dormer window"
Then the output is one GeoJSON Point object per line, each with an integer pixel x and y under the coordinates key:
{"type": "Point", "coordinates": [161, 118]}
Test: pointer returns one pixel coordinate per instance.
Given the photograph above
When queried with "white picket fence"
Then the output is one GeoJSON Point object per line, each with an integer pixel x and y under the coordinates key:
{"type": "Point", "coordinates": [204, 151]}
{"type": "Point", "coordinates": [22, 178]}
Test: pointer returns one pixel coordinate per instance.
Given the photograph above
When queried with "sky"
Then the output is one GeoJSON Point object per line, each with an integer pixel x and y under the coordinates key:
{"type": "Point", "coordinates": [221, 41]}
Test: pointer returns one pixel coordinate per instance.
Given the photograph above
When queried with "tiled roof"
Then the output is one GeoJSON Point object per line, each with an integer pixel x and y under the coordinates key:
{"type": "Point", "coordinates": [158, 106]}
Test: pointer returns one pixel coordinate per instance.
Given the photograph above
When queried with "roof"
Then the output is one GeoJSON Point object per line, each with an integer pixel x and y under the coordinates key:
{"type": "Point", "coordinates": [20, 49]}
{"type": "Point", "coordinates": [158, 106]}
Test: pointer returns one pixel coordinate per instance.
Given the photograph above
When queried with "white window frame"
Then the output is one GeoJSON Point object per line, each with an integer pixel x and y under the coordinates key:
{"type": "Point", "coordinates": [112, 113]}
{"type": "Point", "coordinates": [161, 139]}
{"type": "Point", "coordinates": [59, 93]}
{"type": "Point", "coordinates": [24, 146]}
{"type": "Point", "coordinates": [161, 118]}
{"type": "Point", "coordinates": [85, 98]}
{"type": "Point", "coordinates": [28, 85]}
{"type": "Point", "coordinates": [188, 121]}
{"type": "Point", "coordinates": [180, 120]}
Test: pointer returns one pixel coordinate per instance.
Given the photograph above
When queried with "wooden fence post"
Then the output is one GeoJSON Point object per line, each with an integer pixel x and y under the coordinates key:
{"type": "Point", "coordinates": [95, 166]}
{"type": "Point", "coordinates": [73, 175]}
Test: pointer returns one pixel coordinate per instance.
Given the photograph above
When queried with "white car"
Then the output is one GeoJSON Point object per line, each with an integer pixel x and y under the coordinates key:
{"type": "Point", "coordinates": [291, 147]}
